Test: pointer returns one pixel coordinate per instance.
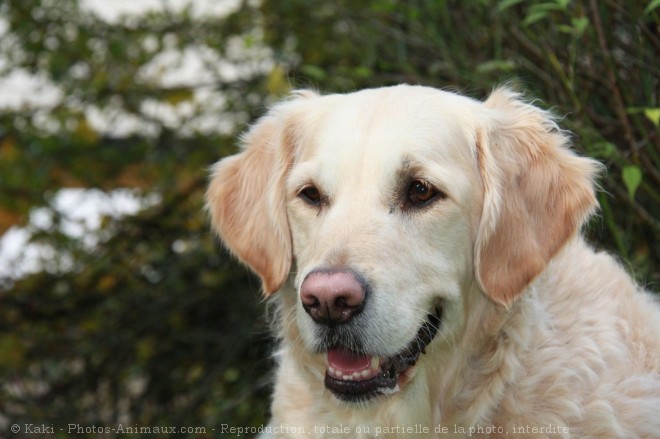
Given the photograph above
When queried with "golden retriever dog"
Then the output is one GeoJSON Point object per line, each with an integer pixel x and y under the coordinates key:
{"type": "Point", "coordinates": [424, 251]}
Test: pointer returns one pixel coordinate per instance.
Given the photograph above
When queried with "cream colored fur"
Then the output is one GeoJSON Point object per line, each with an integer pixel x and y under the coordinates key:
{"type": "Point", "coordinates": [538, 329]}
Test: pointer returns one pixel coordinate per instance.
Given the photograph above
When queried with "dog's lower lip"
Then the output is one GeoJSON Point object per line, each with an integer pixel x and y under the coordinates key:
{"type": "Point", "coordinates": [361, 383]}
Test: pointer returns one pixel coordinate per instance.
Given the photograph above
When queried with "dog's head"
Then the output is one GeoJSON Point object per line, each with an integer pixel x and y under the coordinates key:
{"type": "Point", "coordinates": [386, 206]}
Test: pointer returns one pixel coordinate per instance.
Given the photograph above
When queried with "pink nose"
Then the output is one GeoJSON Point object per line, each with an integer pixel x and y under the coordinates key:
{"type": "Point", "coordinates": [332, 296]}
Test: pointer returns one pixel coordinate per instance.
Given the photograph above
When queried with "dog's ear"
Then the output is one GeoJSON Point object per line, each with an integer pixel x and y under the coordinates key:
{"type": "Point", "coordinates": [537, 194]}
{"type": "Point", "coordinates": [246, 196]}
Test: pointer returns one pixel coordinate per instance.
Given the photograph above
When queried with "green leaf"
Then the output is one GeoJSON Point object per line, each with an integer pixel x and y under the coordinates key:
{"type": "Point", "coordinates": [145, 348]}
{"type": "Point", "coordinates": [232, 375]}
{"type": "Point", "coordinates": [177, 96]}
{"type": "Point", "coordinates": [506, 4]}
{"type": "Point", "coordinates": [603, 149]}
{"type": "Point", "coordinates": [563, 4]}
{"type": "Point", "coordinates": [314, 72]}
{"type": "Point", "coordinates": [85, 132]}
{"type": "Point", "coordinates": [652, 6]}
{"type": "Point", "coordinates": [363, 72]}
{"type": "Point", "coordinates": [534, 17]}
{"type": "Point", "coordinates": [580, 25]}
{"type": "Point", "coordinates": [12, 352]}
{"type": "Point", "coordinates": [496, 65]}
{"type": "Point", "coordinates": [653, 114]}
{"type": "Point", "coordinates": [632, 178]}
{"type": "Point", "coordinates": [540, 11]}
{"type": "Point", "coordinates": [576, 28]}
{"type": "Point", "coordinates": [277, 82]}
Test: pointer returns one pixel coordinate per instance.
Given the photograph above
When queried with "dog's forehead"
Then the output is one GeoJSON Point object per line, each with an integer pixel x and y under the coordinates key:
{"type": "Point", "coordinates": [378, 130]}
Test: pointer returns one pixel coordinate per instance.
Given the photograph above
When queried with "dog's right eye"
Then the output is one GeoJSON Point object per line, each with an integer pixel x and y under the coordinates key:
{"type": "Point", "coordinates": [310, 195]}
{"type": "Point", "coordinates": [421, 193]}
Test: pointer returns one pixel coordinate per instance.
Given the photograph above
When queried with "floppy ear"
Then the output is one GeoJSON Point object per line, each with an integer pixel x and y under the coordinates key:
{"type": "Point", "coordinates": [246, 198]}
{"type": "Point", "coordinates": [537, 194]}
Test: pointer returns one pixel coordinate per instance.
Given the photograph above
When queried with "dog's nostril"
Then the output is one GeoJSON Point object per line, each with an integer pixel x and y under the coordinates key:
{"type": "Point", "coordinates": [329, 311]}
{"type": "Point", "coordinates": [332, 296]}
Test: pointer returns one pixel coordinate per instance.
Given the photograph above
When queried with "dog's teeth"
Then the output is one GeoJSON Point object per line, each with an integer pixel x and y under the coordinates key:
{"type": "Point", "coordinates": [375, 363]}
{"type": "Point", "coordinates": [347, 375]}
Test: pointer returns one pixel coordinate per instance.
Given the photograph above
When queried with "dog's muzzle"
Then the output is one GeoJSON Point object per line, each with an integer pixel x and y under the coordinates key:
{"type": "Point", "coordinates": [333, 298]}
{"type": "Point", "coordinates": [352, 376]}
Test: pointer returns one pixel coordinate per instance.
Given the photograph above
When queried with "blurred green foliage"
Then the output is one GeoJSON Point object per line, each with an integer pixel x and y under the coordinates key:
{"type": "Point", "coordinates": [155, 325]}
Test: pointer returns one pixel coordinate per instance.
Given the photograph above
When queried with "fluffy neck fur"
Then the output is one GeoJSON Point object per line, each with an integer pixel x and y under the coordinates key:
{"type": "Point", "coordinates": [481, 373]}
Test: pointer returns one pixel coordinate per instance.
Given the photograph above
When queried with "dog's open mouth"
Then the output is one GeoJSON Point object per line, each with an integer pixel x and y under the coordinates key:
{"type": "Point", "coordinates": [352, 376]}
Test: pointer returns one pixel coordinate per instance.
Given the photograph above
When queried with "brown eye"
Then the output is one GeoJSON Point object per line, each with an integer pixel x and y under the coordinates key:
{"type": "Point", "coordinates": [420, 193]}
{"type": "Point", "coordinates": [310, 195]}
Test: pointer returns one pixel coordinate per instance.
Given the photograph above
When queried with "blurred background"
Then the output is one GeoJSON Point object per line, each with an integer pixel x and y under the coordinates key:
{"type": "Point", "coordinates": [117, 305]}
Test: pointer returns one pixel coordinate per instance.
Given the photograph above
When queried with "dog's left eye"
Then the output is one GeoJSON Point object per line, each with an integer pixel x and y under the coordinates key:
{"type": "Point", "coordinates": [310, 195]}
{"type": "Point", "coordinates": [421, 193]}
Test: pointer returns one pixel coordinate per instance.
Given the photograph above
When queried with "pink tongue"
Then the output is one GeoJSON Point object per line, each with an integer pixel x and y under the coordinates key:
{"type": "Point", "coordinates": [348, 361]}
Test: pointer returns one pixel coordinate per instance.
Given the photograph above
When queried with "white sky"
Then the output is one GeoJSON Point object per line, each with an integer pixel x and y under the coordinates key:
{"type": "Point", "coordinates": [83, 209]}
{"type": "Point", "coordinates": [169, 68]}
{"type": "Point", "coordinates": [112, 10]}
